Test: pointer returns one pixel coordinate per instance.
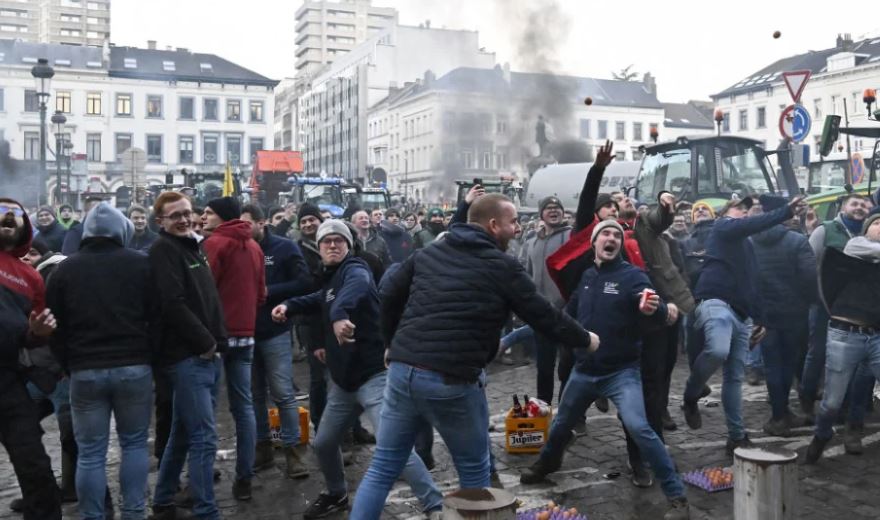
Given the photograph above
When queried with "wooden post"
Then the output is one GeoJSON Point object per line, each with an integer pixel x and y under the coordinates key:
{"type": "Point", "coordinates": [765, 484]}
{"type": "Point", "coordinates": [479, 504]}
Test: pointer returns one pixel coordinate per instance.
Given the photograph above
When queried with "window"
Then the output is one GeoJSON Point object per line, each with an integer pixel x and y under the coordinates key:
{"type": "Point", "coordinates": [620, 156]}
{"type": "Point", "coordinates": [71, 32]}
{"type": "Point", "coordinates": [185, 145]}
{"type": "Point", "coordinates": [93, 103]}
{"type": "Point", "coordinates": [256, 144]}
{"type": "Point", "coordinates": [93, 147]}
{"type": "Point", "coordinates": [233, 149]}
{"type": "Point", "coordinates": [210, 111]}
{"type": "Point", "coordinates": [2, 105]}
{"type": "Point", "coordinates": [620, 131]}
{"type": "Point", "coordinates": [725, 124]}
{"type": "Point", "coordinates": [467, 159]}
{"type": "Point", "coordinates": [603, 130]}
{"type": "Point", "coordinates": [62, 102]}
{"type": "Point", "coordinates": [94, 34]}
{"type": "Point", "coordinates": [123, 143]}
{"type": "Point", "coordinates": [487, 160]}
{"type": "Point", "coordinates": [93, 20]}
{"type": "Point", "coordinates": [817, 109]}
{"type": "Point", "coordinates": [762, 117]}
{"type": "Point", "coordinates": [31, 145]}
{"type": "Point", "coordinates": [501, 125]}
{"type": "Point", "coordinates": [154, 148]}
{"type": "Point", "coordinates": [123, 105]}
{"type": "Point", "coordinates": [206, 67]}
{"type": "Point", "coordinates": [256, 111]}
{"type": "Point", "coordinates": [585, 128]}
{"type": "Point", "coordinates": [154, 106]}
{"type": "Point", "coordinates": [637, 132]}
{"type": "Point", "coordinates": [210, 148]}
{"type": "Point", "coordinates": [169, 66]}
{"type": "Point", "coordinates": [743, 120]}
{"type": "Point", "coordinates": [187, 108]}
{"type": "Point", "coordinates": [130, 63]}
{"type": "Point", "coordinates": [70, 18]}
{"type": "Point", "coordinates": [31, 101]}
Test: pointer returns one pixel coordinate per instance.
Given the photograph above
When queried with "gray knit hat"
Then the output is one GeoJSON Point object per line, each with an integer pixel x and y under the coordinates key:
{"type": "Point", "coordinates": [334, 227]}
{"type": "Point", "coordinates": [605, 224]}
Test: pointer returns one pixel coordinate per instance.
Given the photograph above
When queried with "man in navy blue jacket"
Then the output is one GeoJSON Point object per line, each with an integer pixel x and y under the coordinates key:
{"type": "Point", "coordinates": [608, 301]}
{"type": "Point", "coordinates": [286, 276]}
{"type": "Point", "coordinates": [728, 302]}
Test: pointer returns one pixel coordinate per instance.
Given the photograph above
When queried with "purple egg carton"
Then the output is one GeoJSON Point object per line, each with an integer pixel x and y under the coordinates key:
{"type": "Point", "coordinates": [700, 478]}
{"type": "Point", "coordinates": [532, 514]}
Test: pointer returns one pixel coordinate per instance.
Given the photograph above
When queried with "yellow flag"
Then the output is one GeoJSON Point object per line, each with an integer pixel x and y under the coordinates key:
{"type": "Point", "coordinates": [228, 186]}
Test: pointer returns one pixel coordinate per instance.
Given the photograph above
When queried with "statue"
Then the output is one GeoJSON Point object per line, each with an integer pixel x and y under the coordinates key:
{"type": "Point", "coordinates": [541, 136]}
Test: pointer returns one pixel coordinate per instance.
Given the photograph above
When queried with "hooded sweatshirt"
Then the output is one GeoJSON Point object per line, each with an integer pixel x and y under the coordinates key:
{"type": "Point", "coordinates": [102, 298]}
{"type": "Point", "coordinates": [21, 291]}
{"type": "Point", "coordinates": [399, 242]}
{"type": "Point", "coordinates": [237, 264]}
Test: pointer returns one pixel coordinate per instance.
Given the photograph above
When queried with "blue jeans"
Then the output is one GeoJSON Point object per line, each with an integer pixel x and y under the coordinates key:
{"type": "Point", "coordinates": [624, 389]}
{"type": "Point", "coordinates": [726, 343]}
{"type": "Point", "coordinates": [456, 409]}
{"type": "Point", "coordinates": [755, 358]}
{"type": "Point", "coordinates": [127, 393]}
{"type": "Point", "coordinates": [861, 393]}
{"type": "Point", "coordinates": [342, 408]}
{"type": "Point", "coordinates": [524, 335]}
{"type": "Point", "coordinates": [273, 373]}
{"type": "Point", "coordinates": [238, 362]}
{"type": "Point", "coordinates": [781, 348]}
{"type": "Point", "coordinates": [846, 351]}
{"type": "Point", "coordinates": [193, 432]}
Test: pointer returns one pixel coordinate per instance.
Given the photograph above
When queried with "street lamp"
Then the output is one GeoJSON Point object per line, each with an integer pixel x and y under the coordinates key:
{"type": "Point", "coordinates": [58, 120]}
{"type": "Point", "coordinates": [42, 74]}
{"type": "Point", "coordinates": [406, 180]}
{"type": "Point", "coordinates": [719, 118]}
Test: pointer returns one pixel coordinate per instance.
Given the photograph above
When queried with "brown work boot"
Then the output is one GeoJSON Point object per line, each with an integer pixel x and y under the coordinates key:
{"type": "Point", "coordinates": [265, 456]}
{"type": "Point", "coordinates": [852, 439]}
{"type": "Point", "coordinates": [296, 467]}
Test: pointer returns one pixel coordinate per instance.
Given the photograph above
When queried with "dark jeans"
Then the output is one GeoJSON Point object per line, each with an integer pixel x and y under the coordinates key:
{"type": "Point", "coordinates": [164, 410]}
{"type": "Point", "coordinates": [20, 434]}
{"type": "Point", "coordinates": [814, 364]}
{"type": "Point", "coordinates": [545, 358]}
{"type": "Point", "coordinates": [317, 374]}
{"type": "Point", "coordinates": [781, 350]}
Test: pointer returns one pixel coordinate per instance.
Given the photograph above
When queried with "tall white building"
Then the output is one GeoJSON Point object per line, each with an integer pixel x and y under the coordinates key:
{"type": "Point", "coordinates": [68, 22]}
{"type": "Point", "coordinates": [184, 109]}
{"type": "Point", "coordinates": [752, 107]}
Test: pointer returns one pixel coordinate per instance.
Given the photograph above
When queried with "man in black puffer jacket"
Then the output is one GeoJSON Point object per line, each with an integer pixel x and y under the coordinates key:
{"type": "Point", "coordinates": [442, 314]}
{"type": "Point", "coordinates": [787, 277]}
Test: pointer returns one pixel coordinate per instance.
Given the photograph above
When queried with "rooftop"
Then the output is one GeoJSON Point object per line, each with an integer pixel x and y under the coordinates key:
{"type": "Point", "coordinates": [690, 115]}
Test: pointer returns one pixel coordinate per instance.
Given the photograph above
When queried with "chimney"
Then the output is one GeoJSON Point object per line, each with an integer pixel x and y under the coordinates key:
{"type": "Point", "coordinates": [169, 48]}
{"type": "Point", "coordinates": [844, 41]}
{"type": "Point", "coordinates": [650, 83]}
{"type": "Point", "coordinates": [427, 24]}
{"type": "Point", "coordinates": [182, 49]}
{"type": "Point", "coordinates": [151, 44]}
{"type": "Point", "coordinates": [429, 78]}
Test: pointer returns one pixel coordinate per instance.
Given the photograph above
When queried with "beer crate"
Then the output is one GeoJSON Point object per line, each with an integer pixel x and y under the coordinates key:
{"type": "Point", "coordinates": [275, 425]}
{"type": "Point", "coordinates": [526, 434]}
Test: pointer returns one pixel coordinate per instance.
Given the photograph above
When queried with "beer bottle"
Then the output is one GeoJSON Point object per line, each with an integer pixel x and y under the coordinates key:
{"type": "Point", "coordinates": [517, 408]}
{"type": "Point", "coordinates": [526, 405]}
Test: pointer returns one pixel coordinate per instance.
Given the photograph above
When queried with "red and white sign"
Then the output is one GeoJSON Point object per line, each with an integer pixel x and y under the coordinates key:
{"type": "Point", "coordinates": [796, 80]}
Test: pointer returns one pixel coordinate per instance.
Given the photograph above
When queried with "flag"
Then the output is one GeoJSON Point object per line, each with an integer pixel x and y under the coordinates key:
{"type": "Point", "coordinates": [228, 186]}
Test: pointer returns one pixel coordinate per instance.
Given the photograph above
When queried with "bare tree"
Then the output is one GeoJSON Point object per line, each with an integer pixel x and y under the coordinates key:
{"type": "Point", "coordinates": [625, 74]}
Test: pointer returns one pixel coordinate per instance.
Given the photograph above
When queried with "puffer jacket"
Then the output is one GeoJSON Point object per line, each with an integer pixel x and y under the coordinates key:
{"type": "Point", "coordinates": [664, 275]}
{"type": "Point", "coordinates": [444, 308]}
{"type": "Point", "coordinates": [539, 249]}
{"type": "Point", "coordinates": [787, 276]}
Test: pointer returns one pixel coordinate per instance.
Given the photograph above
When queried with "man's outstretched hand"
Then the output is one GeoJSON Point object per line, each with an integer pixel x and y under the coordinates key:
{"type": "Point", "coordinates": [605, 155]}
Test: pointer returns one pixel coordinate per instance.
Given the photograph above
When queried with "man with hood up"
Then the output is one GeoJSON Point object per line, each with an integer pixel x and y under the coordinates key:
{"type": "Point", "coordinates": [24, 322]}
{"type": "Point", "coordinates": [237, 263]}
{"type": "Point", "coordinates": [65, 216]}
{"type": "Point", "coordinates": [50, 230]}
{"type": "Point", "coordinates": [102, 301]}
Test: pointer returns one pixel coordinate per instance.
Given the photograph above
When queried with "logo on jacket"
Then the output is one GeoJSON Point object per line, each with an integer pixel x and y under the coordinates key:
{"type": "Point", "coordinates": [270, 260]}
{"type": "Point", "coordinates": [330, 296]}
{"type": "Point", "coordinates": [611, 288]}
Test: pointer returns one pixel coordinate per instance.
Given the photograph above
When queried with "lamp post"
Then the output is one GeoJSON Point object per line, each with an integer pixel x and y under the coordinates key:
{"type": "Point", "coordinates": [719, 118]}
{"type": "Point", "coordinates": [68, 156]}
{"type": "Point", "coordinates": [42, 73]}
{"type": "Point", "coordinates": [58, 120]}
{"type": "Point", "coordinates": [406, 180]}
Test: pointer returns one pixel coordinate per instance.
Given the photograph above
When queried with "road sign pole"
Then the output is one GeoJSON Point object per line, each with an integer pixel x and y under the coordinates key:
{"type": "Point", "coordinates": [848, 172]}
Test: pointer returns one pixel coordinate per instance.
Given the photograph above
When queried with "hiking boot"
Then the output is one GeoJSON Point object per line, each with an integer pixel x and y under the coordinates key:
{"type": "Point", "coordinates": [537, 471]}
{"type": "Point", "coordinates": [777, 428]}
{"type": "Point", "coordinates": [815, 449]}
{"type": "Point", "coordinates": [732, 445]}
{"type": "Point", "coordinates": [184, 499]}
{"type": "Point", "coordinates": [668, 424]}
{"type": "Point", "coordinates": [296, 467]}
{"type": "Point", "coordinates": [642, 477]}
{"type": "Point", "coordinates": [796, 420]}
{"type": "Point", "coordinates": [692, 415]}
{"type": "Point", "coordinates": [164, 513]}
{"type": "Point", "coordinates": [602, 404]}
{"type": "Point", "coordinates": [265, 456]}
{"type": "Point", "coordinates": [679, 509]}
{"type": "Point", "coordinates": [852, 439]}
{"type": "Point", "coordinates": [241, 489]}
{"type": "Point", "coordinates": [326, 505]}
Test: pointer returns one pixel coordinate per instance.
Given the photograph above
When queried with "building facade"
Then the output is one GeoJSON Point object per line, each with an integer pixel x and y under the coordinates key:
{"type": "Point", "coordinates": [183, 109]}
{"type": "Point", "coordinates": [67, 22]}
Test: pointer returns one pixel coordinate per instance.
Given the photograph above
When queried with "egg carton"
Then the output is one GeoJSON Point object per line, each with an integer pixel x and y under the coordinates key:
{"type": "Point", "coordinates": [551, 512]}
{"type": "Point", "coordinates": [701, 478]}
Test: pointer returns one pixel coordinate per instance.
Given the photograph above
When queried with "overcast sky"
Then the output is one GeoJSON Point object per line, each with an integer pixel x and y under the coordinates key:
{"type": "Point", "coordinates": [694, 49]}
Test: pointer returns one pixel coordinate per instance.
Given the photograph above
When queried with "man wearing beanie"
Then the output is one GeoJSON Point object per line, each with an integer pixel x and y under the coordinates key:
{"type": "Point", "coordinates": [610, 301]}
{"type": "Point", "coordinates": [354, 351]}
{"type": "Point", "coordinates": [728, 306]}
{"type": "Point", "coordinates": [433, 227]}
{"type": "Point", "coordinates": [237, 264]}
{"type": "Point", "coordinates": [50, 230]}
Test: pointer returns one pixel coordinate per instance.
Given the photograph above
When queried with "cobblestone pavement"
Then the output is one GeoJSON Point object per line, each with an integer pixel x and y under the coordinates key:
{"type": "Point", "coordinates": [839, 484]}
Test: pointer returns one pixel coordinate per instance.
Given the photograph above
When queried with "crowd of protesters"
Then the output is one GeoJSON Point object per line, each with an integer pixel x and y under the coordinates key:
{"type": "Point", "coordinates": [127, 315]}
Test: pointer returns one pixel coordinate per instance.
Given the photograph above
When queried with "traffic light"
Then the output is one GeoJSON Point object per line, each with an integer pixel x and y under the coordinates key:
{"type": "Point", "coordinates": [830, 134]}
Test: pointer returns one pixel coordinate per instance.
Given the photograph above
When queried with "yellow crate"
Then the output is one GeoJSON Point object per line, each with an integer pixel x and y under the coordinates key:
{"type": "Point", "coordinates": [526, 434]}
{"type": "Point", "coordinates": [275, 425]}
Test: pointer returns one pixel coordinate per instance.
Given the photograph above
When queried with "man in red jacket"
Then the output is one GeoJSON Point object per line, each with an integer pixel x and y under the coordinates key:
{"type": "Point", "coordinates": [24, 321]}
{"type": "Point", "coordinates": [236, 261]}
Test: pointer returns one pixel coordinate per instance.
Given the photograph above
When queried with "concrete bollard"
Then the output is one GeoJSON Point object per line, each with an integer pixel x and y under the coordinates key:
{"type": "Point", "coordinates": [765, 484]}
{"type": "Point", "coordinates": [479, 504]}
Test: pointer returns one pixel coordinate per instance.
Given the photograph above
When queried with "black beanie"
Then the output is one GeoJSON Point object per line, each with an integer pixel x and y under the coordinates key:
{"type": "Point", "coordinates": [227, 208]}
{"type": "Point", "coordinates": [602, 199]}
{"type": "Point", "coordinates": [309, 209]}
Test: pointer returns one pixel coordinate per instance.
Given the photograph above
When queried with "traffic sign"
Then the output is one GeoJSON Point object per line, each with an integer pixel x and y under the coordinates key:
{"type": "Point", "coordinates": [858, 168]}
{"type": "Point", "coordinates": [796, 80]}
{"type": "Point", "coordinates": [795, 123]}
